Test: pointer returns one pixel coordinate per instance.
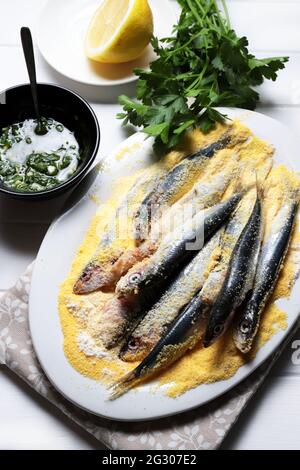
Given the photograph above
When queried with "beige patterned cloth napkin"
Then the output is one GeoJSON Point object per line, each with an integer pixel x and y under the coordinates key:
{"type": "Point", "coordinates": [203, 428]}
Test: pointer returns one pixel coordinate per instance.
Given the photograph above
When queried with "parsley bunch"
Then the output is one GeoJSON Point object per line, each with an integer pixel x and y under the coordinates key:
{"type": "Point", "coordinates": [203, 66]}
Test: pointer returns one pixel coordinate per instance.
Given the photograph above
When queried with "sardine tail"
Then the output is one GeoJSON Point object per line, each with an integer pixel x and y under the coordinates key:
{"type": "Point", "coordinates": [243, 187]}
{"type": "Point", "coordinates": [291, 189]}
{"type": "Point", "coordinates": [259, 187]}
{"type": "Point", "coordinates": [295, 195]}
{"type": "Point", "coordinates": [126, 383]}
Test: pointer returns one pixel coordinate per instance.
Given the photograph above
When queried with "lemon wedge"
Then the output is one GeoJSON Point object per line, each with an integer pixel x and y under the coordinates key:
{"type": "Point", "coordinates": [119, 31]}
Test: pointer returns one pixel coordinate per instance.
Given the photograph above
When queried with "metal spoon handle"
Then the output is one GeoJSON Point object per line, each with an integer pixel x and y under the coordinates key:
{"type": "Point", "coordinates": [27, 45]}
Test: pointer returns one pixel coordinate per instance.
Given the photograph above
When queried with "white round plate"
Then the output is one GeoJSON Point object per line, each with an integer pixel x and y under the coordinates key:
{"type": "Point", "coordinates": [53, 264]}
{"type": "Point", "coordinates": [61, 34]}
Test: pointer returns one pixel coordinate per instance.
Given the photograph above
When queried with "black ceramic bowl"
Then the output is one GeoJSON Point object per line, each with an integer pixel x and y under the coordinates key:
{"type": "Point", "coordinates": [64, 106]}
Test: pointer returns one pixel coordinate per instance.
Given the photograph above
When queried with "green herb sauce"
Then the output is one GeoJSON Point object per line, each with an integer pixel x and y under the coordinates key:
{"type": "Point", "coordinates": [31, 162]}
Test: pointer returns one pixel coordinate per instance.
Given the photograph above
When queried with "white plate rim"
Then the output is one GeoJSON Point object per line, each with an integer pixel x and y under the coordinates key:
{"type": "Point", "coordinates": [125, 411]}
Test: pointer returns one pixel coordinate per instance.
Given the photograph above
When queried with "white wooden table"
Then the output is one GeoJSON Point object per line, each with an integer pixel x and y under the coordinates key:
{"type": "Point", "coordinates": [272, 420]}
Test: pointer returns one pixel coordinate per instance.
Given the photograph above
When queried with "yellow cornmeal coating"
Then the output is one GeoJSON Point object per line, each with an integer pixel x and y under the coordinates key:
{"type": "Point", "coordinates": [89, 366]}
{"type": "Point", "coordinates": [221, 360]}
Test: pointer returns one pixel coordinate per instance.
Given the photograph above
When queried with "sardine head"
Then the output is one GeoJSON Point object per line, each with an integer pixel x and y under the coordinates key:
{"type": "Point", "coordinates": [130, 283]}
{"type": "Point", "coordinates": [91, 279]}
{"type": "Point", "coordinates": [213, 331]}
{"type": "Point", "coordinates": [134, 350]}
{"type": "Point", "coordinates": [243, 335]}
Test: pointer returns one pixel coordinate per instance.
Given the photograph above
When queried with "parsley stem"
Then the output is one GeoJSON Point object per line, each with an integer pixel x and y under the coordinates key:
{"type": "Point", "coordinates": [195, 13]}
{"type": "Point", "coordinates": [218, 14]}
{"type": "Point", "coordinates": [200, 77]}
{"type": "Point", "coordinates": [185, 44]}
{"type": "Point", "coordinates": [200, 6]}
{"type": "Point", "coordinates": [198, 18]}
{"type": "Point", "coordinates": [226, 12]}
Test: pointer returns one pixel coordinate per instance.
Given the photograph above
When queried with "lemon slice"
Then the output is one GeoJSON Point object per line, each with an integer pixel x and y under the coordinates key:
{"type": "Point", "coordinates": [119, 31]}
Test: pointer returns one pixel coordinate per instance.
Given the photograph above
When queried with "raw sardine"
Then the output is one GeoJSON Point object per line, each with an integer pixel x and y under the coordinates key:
{"type": "Point", "coordinates": [174, 184]}
{"type": "Point", "coordinates": [183, 334]}
{"type": "Point", "coordinates": [239, 277]}
{"type": "Point", "coordinates": [99, 272]}
{"type": "Point", "coordinates": [205, 193]}
{"type": "Point", "coordinates": [272, 255]}
{"type": "Point", "coordinates": [174, 251]}
{"type": "Point", "coordinates": [153, 326]}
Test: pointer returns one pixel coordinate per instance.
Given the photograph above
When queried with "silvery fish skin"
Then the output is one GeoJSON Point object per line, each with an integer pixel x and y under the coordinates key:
{"type": "Point", "coordinates": [204, 194]}
{"type": "Point", "coordinates": [183, 334]}
{"type": "Point", "coordinates": [176, 249]}
{"type": "Point", "coordinates": [170, 187]}
{"type": "Point", "coordinates": [239, 276]}
{"type": "Point", "coordinates": [272, 255]}
{"type": "Point", "coordinates": [101, 275]}
{"type": "Point", "coordinates": [228, 240]}
{"type": "Point", "coordinates": [153, 326]}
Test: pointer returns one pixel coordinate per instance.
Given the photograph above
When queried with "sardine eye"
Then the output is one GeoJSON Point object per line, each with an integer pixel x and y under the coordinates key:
{"type": "Point", "coordinates": [244, 327]}
{"type": "Point", "coordinates": [133, 345]}
{"type": "Point", "coordinates": [218, 329]}
{"type": "Point", "coordinates": [134, 278]}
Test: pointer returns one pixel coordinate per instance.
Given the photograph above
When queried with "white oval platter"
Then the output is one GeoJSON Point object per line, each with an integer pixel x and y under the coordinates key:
{"type": "Point", "coordinates": [52, 266]}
